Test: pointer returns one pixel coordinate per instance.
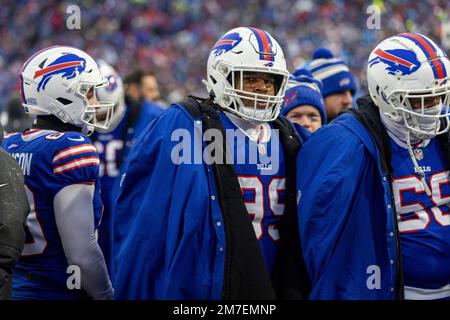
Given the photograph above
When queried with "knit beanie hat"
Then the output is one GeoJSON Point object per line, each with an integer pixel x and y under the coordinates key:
{"type": "Point", "coordinates": [333, 72]}
{"type": "Point", "coordinates": [302, 90]}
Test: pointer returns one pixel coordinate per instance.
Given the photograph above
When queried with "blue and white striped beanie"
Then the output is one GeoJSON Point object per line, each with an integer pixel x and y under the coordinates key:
{"type": "Point", "coordinates": [333, 72]}
{"type": "Point", "coordinates": [302, 90]}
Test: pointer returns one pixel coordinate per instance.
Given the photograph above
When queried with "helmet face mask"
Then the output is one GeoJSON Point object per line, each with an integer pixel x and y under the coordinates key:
{"type": "Point", "coordinates": [229, 67]}
{"type": "Point", "coordinates": [97, 115]}
{"type": "Point", "coordinates": [113, 92]}
{"type": "Point", "coordinates": [410, 85]}
{"type": "Point", "coordinates": [57, 80]}
{"type": "Point", "coordinates": [252, 105]}
{"type": "Point", "coordinates": [422, 111]}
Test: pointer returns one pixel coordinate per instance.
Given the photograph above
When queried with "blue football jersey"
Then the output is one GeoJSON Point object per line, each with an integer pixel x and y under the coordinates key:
{"type": "Point", "coordinates": [423, 221]}
{"type": "Point", "coordinates": [113, 149]}
{"type": "Point", "coordinates": [260, 168]}
{"type": "Point", "coordinates": [50, 161]}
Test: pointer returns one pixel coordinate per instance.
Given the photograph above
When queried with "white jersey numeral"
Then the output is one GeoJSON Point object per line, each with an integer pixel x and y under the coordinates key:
{"type": "Point", "coordinates": [110, 150]}
{"type": "Point", "coordinates": [256, 208]}
{"type": "Point", "coordinates": [421, 218]}
{"type": "Point", "coordinates": [437, 180]}
{"type": "Point", "coordinates": [276, 186]}
{"type": "Point", "coordinates": [39, 242]}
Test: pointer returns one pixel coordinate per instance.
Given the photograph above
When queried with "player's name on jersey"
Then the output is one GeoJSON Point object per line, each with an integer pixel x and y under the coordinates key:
{"type": "Point", "coordinates": [423, 168]}
{"type": "Point", "coordinates": [24, 160]}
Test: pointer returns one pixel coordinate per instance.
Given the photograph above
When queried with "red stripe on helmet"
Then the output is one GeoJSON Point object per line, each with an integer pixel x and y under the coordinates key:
{"type": "Point", "coordinates": [265, 42]}
{"type": "Point", "coordinates": [56, 67]}
{"type": "Point", "coordinates": [222, 42]}
{"type": "Point", "coordinates": [391, 57]}
{"type": "Point", "coordinates": [429, 50]}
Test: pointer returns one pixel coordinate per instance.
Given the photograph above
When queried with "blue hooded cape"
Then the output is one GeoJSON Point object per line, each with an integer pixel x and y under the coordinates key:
{"type": "Point", "coordinates": [166, 255]}
{"type": "Point", "coordinates": [182, 231]}
{"type": "Point", "coordinates": [346, 219]}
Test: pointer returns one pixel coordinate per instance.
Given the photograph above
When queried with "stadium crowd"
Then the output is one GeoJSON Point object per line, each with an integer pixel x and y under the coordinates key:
{"type": "Point", "coordinates": [172, 38]}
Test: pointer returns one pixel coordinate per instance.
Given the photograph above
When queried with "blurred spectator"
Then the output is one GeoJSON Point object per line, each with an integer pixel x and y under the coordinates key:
{"type": "Point", "coordinates": [303, 102]}
{"type": "Point", "coordinates": [338, 83]}
{"type": "Point", "coordinates": [142, 86]}
{"type": "Point", "coordinates": [132, 83]}
{"type": "Point", "coordinates": [13, 117]}
{"type": "Point", "coordinates": [138, 107]}
{"type": "Point", "coordinates": [149, 86]}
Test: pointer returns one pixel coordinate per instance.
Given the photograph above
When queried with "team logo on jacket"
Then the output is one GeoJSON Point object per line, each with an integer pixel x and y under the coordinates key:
{"type": "Point", "coordinates": [226, 43]}
{"type": "Point", "coordinates": [397, 60]}
{"type": "Point", "coordinates": [69, 66]}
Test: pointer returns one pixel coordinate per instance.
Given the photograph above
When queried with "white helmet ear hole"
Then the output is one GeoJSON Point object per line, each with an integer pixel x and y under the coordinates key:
{"type": "Point", "coordinates": [226, 99]}
{"type": "Point", "coordinates": [224, 70]}
{"type": "Point", "coordinates": [61, 115]}
{"type": "Point", "coordinates": [83, 90]}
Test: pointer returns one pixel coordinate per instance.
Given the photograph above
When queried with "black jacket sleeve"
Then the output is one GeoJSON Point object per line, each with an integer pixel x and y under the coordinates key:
{"type": "Point", "coordinates": [14, 209]}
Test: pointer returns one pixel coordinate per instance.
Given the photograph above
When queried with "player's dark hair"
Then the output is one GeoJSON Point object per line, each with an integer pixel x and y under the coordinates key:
{"type": "Point", "coordinates": [133, 77]}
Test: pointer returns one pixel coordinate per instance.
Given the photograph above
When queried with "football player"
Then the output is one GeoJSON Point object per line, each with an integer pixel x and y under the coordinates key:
{"type": "Point", "coordinates": [374, 188]}
{"type": "Point", "coordinates": [61, 258]}
{"type": "Point", "coordinates": [114, 144]}
{"type": "Point", "coordinates": [207, 229]}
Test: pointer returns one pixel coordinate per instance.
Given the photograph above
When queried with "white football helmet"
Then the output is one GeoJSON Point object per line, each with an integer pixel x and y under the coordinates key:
{"type": "Point", "coordinates": [408, 79]}
{"type": "Point", "coordinates": [57, 81]}
{"type": "Point", "coordinates": [113, 92]}
{"type": "Point", "coordinates": [243, 50]}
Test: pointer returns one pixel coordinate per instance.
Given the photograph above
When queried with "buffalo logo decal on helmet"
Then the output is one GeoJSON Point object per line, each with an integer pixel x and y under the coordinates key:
{"type": "Point", "coordinates": [226, 43]}
{"type": "Point", "coordinates": [112, 83]}
{"type": "Point", "coordinates": [69, 65]}
{"type": "Point", "coordinates": [397, 60]}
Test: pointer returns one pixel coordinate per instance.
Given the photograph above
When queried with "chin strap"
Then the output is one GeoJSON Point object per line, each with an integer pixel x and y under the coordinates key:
{"type": "Point", "coordinates": [418, 168]}
{"type": "Point", "coordinates": [87, 130]}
